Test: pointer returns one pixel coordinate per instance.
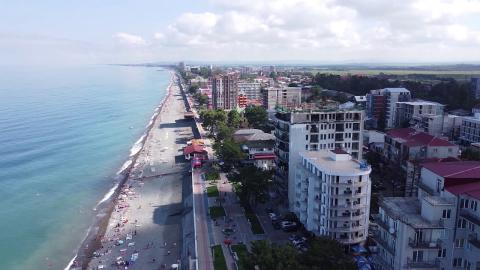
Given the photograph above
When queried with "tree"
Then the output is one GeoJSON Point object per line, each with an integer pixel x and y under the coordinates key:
{"type": "Point", "coordinates": [193, 89]}
{"type": "Point", "coordinates": [211, 119]}
{"type": "Point", "coordinates": [253, 182]}
{"type": "Point", "coordinates": [229, 152]}
{"type": "Point", "coordinates": [324, 254]}
{"type": "Point", "coordinates": [224, 132]}
{"type": "Point", "coordinates": [234, 119]}
{"type": "Point", "coordinates": [268, 256]}
{"type": "Point", "coordinates": [201, 99]}
{"type": "Point", "coordinates": [257, 116]}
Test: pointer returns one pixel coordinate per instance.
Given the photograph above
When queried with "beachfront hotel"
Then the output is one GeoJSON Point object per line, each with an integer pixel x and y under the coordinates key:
{"type": "Point", "coordinates": [332, 195]}
{"type": "Point", "coordinates": [314, 130]}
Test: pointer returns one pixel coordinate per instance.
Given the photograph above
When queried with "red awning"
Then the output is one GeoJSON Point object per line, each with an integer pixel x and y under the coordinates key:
{"type": "Point", "coordinates": [264, 156]}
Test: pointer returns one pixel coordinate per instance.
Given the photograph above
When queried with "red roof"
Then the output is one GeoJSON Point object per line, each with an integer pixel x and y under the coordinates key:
{"type": "Point", "coordinates": [264, 156]}
{"type": "Point", "coordinates": [461, 177]}
{"type": "Point", "coordinates": [193, 149]}
{"type": "Point", "coordinates": [414, 138]}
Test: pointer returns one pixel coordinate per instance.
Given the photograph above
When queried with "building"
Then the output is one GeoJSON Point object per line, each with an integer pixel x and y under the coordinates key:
{"type": "Point", "coordinates": [285, 97]}
{"type": "Point", "coordinates": [451, 126]}
{"type": "Point", "coordinates": [381, 105]}
{"type": "Point", "coordinates": [440, 228]}
{"type": "Point", "coordinates": [225, 91]}
{"type": "Point", "coordinates": [405, 144]}
{"type": "Point", "coordinates": [332, 195]}
{"type": "Point", "coordinates": [475, 87]}
{"type": "Point", "coordinates": [199, 81]}
{"type": "Point", "coordinates": [195, 151]}
{"type": "Point", "coordinates": [259, 147]}
{"type": "Point", "coordinates": [470, 128]}
{"type": "Point", "coordinates": [251, 90]}
{"type": "Point", "coordinates": [313, 130]}
{"type": "Point", "coordinates": [360, 101]}
{"type": "Point", "coordinates": [411, 112]}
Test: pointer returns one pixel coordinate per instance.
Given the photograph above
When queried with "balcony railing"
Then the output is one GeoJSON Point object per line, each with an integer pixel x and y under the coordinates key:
{"type": "Point", "coordinates": [378, 238]}
{"type": "Point", "coordinates": [473, 239]}
{"type": "Point", "coordinates": [282, 136]}
{"type": "Point", "coordinates": [423, 264]}
{"type": "Point", "coordinates": [423, 244]}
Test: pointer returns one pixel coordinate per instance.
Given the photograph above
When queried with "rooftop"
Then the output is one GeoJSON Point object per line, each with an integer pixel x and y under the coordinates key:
{"type": "Point", "coordinates": [421, 102]}
{"type": "Point", "coordinates": [411, 137]}
{"type": "Point", "coordinates": [406, 209]}
{"type": "Point", "coordinates": [345, 167]}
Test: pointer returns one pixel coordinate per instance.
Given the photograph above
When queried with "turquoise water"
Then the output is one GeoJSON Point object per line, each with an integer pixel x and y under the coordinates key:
{"type": "Point", "coordinates": [64, 133]}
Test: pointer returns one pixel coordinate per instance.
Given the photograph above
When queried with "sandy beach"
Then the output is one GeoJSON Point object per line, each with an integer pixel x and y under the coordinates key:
{"type": "Point", "coordinates": [150, 217]}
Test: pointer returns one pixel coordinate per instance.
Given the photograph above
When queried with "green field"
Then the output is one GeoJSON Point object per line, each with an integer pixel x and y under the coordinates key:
{"type": "Point", "coordinates": [219, 262]}
{"type": "Point", "coordinates": [242, 254]}
{"type": "Point", "coordinates": [212, 191]}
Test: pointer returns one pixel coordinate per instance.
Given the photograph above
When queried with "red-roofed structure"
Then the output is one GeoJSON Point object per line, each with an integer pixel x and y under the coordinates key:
{"type": "Point", "coordinates": [195, 151]}
{"type": "Point", "coordinates": [405, 144]}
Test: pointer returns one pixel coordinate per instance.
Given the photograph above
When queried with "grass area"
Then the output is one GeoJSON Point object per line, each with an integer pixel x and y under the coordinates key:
{"type": "Point", "coordinates": [216, 211]}
{"type": "Point", "coordinates": [242, 254]}
{"type": "Point", "coordinates": [212, 191]}
{"type": "Point", "coordinates": [254, 222]}
{"type": "Point", "coordinates": [212, 175]}
{"type": "Point", "coordinates": [219, 262]}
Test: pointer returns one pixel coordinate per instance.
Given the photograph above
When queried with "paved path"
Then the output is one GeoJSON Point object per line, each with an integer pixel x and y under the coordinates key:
{"type": "Point", "coordinates": [204, 255]}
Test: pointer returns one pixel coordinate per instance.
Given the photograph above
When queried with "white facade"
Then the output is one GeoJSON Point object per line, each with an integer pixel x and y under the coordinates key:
{"type": "Point", "coordinates": [287, 97]}
{"type": "Point", "coordinates": [437, 230]}
{"type": "Point", "coordinates": [332, 195]}
{"type": "Point", "coordinates": [470, 129]}
{"type": "Point", "coordinates": [250, 89]}
{"type": "Point", "coordinates": [312, 131]}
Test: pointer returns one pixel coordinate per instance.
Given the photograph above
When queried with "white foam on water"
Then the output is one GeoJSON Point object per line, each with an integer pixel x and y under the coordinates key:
{"type": "Point", "coordinates": [137, 146]}
{"type": "Point", "coordinates": [124, 166]}
{"type": "Point", "coordinates": [70, 263]}
{"type": "Point", "coordinates": [107, 195]}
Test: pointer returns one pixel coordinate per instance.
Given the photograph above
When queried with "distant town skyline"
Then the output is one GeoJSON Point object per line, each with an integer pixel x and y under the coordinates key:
{"type": "Point", "coordinates": [330, 31]}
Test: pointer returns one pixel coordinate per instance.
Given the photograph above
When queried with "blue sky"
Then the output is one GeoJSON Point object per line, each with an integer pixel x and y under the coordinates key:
{"type": "Point", "coordinates": [115, 31]}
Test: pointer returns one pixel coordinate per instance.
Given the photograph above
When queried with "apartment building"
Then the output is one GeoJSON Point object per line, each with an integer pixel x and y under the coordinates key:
{"type": "Point", "coordinates": [439, 229]}
{"type": "Point", "coordinates": [251, 90]}
{"type": "Point", "coordinates": [332, 195]}
{"type": "Point", "coordinates": [381, 105]}
{"type": "Point", "coordinates": [285, 97]}
{"type": "Point", "coordinates": [404, 144]}
{"type": "Point", "coordinates": [475, 82]}
{"type": "Point", "coordinates": [470, 128]}
{"type": "Point", "coordinates": [425, 115]}
{"type": "Point", "coordinates": [313, 130]}
{"type": "Point", "coordinates": [225, 91]}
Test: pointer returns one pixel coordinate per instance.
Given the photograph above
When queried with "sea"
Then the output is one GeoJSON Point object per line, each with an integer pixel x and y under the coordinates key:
{"type": "Point", "coordinates": [65, 133]}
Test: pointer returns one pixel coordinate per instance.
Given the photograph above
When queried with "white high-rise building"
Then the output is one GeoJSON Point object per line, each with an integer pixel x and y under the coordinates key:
{"type": "Point", "coordinates": [250, 89]}
{"type": "Point", "coordinates": [381, 104]}
{"type": "Point", "coordinates": [332, 195]}
{"type": "Point", "coordinates": [313, 130]}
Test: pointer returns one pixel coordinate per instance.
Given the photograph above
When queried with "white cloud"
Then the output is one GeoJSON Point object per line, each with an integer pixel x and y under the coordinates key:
{"type": "Point", "coordinates": [130, 39]}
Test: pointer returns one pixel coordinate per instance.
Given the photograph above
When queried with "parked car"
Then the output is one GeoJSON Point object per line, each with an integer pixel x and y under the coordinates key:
{"type": "Point", "coordinates": [288, 226]}
{"type": "Point", "coordinates": [272, 215]}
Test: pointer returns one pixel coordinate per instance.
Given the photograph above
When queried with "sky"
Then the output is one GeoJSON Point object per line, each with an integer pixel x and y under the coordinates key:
{"type": "Point", "coordinates": [50, 32]}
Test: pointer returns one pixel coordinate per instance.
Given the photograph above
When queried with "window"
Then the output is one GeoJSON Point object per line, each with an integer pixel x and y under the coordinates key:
{"type": "Point", "coordinates": [461, 223]}
{"type": "Point", "coordinates": [418, 255]}
{"type": "Point", "coordinates": [459, 243]}
{"type": "Point", "coordinates": [457, 262]}
{"type": "Point", "coordinates": [442, 253]}
{"type": "Point", "coordinates": [446, 213]}
{"type": "Point", "coordinates": [471, 226]}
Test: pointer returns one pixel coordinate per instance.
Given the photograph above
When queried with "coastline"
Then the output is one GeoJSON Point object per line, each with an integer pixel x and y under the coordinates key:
{"type": "Point", "coordinates": [106, 205]}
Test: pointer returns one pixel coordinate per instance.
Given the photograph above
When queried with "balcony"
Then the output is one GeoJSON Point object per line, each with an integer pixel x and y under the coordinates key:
{"type": "Point", "coordinates": [382, 242]}
{"type": "Point", "coordinates": [473, 239]}
{"type": "Point", "coordinates": [283, 147]}
{"type": "Point", "coordinates": [467, 215]}
{"type": "Point", "coordinates": [423, 264]}
{"type": "Point", "coordinates": [313, 129]}
{"type": "Point", "coordinates": [282, 127]}
{"type": "Point", "coordinates": [281, 136]}
{"type": "Point", "coordinates": [349, 206]}
{"type": "Point", "coordinates": [423, 244]}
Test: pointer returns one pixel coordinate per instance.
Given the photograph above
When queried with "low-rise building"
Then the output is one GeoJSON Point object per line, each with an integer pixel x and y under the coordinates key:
{"type": "Point", "coordinates": [259, 147]}
{"type": "Point", "coordinates": [332, 195]}
{"type": "Point", "coordinates": [405, 144]}
{"type": "Point", "coordinates": [439, 229]}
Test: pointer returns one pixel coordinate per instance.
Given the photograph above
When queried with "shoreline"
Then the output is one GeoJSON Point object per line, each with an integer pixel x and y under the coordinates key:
{"type": "Point", "coordinates": [106, 205]}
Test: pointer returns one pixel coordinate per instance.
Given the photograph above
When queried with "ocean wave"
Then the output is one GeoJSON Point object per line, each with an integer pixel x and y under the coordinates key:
{"type": "Point", "coordinates": [70, 264]}
{"type": "Point", "coordinates": [124, 166]}
{"type": "Point", "coordinates": [107, 195]}
{"type": "Point", "coordinates": [137, 146]}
